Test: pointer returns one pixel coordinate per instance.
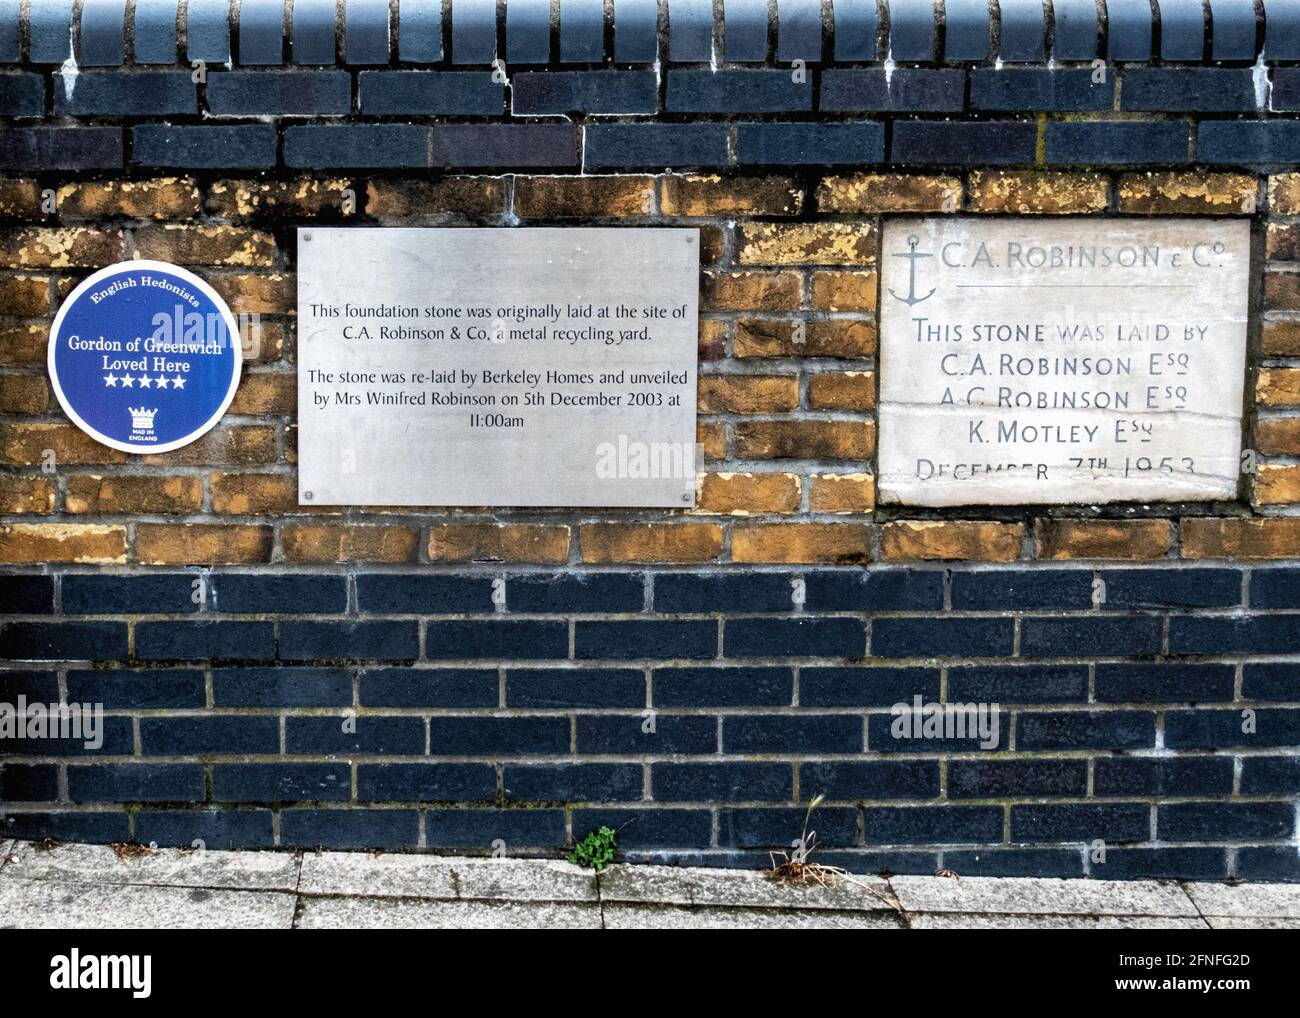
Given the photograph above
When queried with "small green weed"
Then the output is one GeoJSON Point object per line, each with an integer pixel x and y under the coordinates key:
{"type": "Point", "coordinates": [595, 851]}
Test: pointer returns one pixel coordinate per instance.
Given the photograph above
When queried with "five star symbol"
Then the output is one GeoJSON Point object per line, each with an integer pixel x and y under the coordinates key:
{"type": "Point", "coordinates": [128, 381]}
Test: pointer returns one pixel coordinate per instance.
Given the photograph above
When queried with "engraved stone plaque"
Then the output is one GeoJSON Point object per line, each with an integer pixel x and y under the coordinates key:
{"type": "Point", "coordinates": [497, 367]}
{"type": "Point", "coordinates": [1078, 360]}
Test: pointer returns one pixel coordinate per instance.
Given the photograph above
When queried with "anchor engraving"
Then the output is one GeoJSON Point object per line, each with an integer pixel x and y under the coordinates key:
{"type": "Point", "coordinates": [912, 254]}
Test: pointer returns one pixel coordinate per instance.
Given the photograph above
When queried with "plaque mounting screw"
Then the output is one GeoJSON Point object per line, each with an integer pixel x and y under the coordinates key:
{"type": "Point", "coordinates": [307, 495]}
{"type": "Point", "coordinates": [306, 236]}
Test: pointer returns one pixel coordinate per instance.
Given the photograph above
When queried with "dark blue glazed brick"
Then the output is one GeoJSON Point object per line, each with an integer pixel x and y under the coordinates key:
{"type": "Point", "coordinates": [645, 639]}
{"type": "Point", "coordinates": [146, 594]}
{"type": "Point", "coordinates": [1116, 143]}
{"type": "Point", "coordinates": [364, 733]}
{"type": "Point", "coordinates": [29, 782]}
{"type": "Point", "coordinates": [201, 641]}
{"type": "Point", "coordinates": [314, 27]}
{"type": "Point", "coordinates": [911, 32]}
{"type": "Point", "coordinates": [267, 593]}
{"type": "Point", "coordinates": [528, 33]}
{"type": "Point", "coordinates": [49, 27]}
{"type": "Point", "coordinates": [724, 592]}
{"type": "Point", "coordinates": [473, 31]}
{"type": "Point", "coordinates": [248, 146]}
{"type": "Point", "coordinates": [207, 30]}
{"type": "Point", "coordinates": [27, 595]}
{"type": "Point", "coordinates": [1251, 634]}
{"type": "Point", "coordinates": [209, 734]}
{"type": "Point", "coordinates": [504, 145]}
{"type": "Point", "coordinates": [522, 641]}
{"type": "Point", "coordinates": [654, 145]}
{"type": "Point", "coordinates": [429, 687]}
{"type": "Point", "coordinates": [352, 641]}
{"type": "Point", "coordinates": [802, 637]}
{"type": "Point", "coordinates": [99, 828]}
{"type": "Point", "coordinates": [282, 782]}
{"type": "Point", "coordinates": [1018, 684]}
{"type": "Point", "coordinates": [1225, 821]}
{"type": "Point", "coordinates": [1113, 824]}
{"type": "Point", "coordinates": [1188, 89]}
{"type": "Point", "coordinates": [582, 31]}
{"type": "Point", "coordinates": [723, 687]}
{"type": "Point", "coordinates": [480, 828]}
{"type": "Point", "coordinates": [279, 93]}
{"type": "Point", "coordinates": [883, 779]}
{"type": "Point", "coordinates": [155, 31]}
{"type": "Point", "coordinates": [1129, 29]}
{"type": "Point", "coordinates": [575, 687]}
{"type": "Point", "coordinates": [1182, 29]}
{"type": "Point", "coordinates": [350, 828]}
{"type": "Point", "coordinates": [1149, 682]}
{"type": "Point", "coordinates": [855, 29]}
{"type": "Point", "coordinates": [1023, 33]}
{"type": "Point", "coordinates": [138, 689]}
{"type": "Point", "coordinates": [457, 93]}
{"type": "Point", "coordinates": [1275, 588]}
{"type": "Point", "coordinates": [599, 92]}
{"type": "Point", "coordinates": [744, 31]}
{"type": "Point", "coordinates": [365, 32]}
{"type": "Point", "coordinates": [379, 146]}
{"type": "Point", "coordinates": [1281, 30]}
{"type": "Point", "coordinates": [1224, 729]}
{"type": "Point", "coordinates": [790, 733]}
{"type": "Point", "coordinates": [799, 30]}
{"type": "Point", "coordinates": [1092, 636]}
{"type": "Point", "coordinates": [1019, 589]}
{"type": "Point", "coordinates": [1280, 863]}
{"type": "Point", "coordinates": [1135, 776]}
{"type": "Point", "coordinates": [636, 38]}
{"type": "Point", "coordinates": [993, 143]}
{"type": "Point", "coordinates": [809, 144]}
{"type": "Point", "coordinates": [1271, 682]}
{"type": "Point", "coordinates": [902, 731]}
{"type": "Point", "coordinates": [930, 825]}
{"type": "Point", "coordinates": [110, 736]}
{"type": "Point", "coordinates": [754, 91]}
{"type": "Point", "coordinates": [488, 736]}
{"type": "Point", "coordinates": [657, 735]}
{"type": "Point", "coordinates": [721, 782]}
{"type": "Point", "coordinates": [61, 148]}
{"type": "Point", "coordinates": [1061, 863]}
{"type": "Point", "coordinates": [444, 782]}
{"type": "Point", "coordinates": [281, 687]}
{"type": "Point", "coordinates": [866, 687]}
{"type": "Point", "coordinates": [103, 34]}
{"type": "Point", "coordinates": [690, 30]}
{"type": "Point", "coordinates": [22, 95]}
{"type": "Point", "coordinates": [429, 595]}
{"type": "Point", "coordinates": [35, 686]}
{"type": "Point", "coordinates": [942, 637]}
{"type": "Point", "coordinates": [63, 641]}
{"type": "Point", "coordinates": [649, 828]}
{"type": "Point", "coordinates": [1171, 588]}
{"type": "Point", "coordinates": [775, 828]}
{"type": "Point", "coordinates": [906, 90]}
{"type": "Point", "coordinates": [1032, 88]}
{"type": "Point", "coordinates": [1265, 775]}
{"type": "Point", "coordinates": [118, 93]}
{"type": "Point", "coordinates": [261, 32]}
{"type": "Point", "coordinates": [136, 783]}
{"type": "Point", "coordinates": [578, 592]}
{"type": "Point", "coordinates": [1267, 142]}
{"type": "Point", "coordinates": [573, 782]}
{"type": "Point", "coordinates": [883, 862]}
{"type": "Point", "coordinates": [1111, 729]}
{"type": "Point", "coordinates": [1285, 94]}
{"type": "Point", "coordinates": [966, 33]}
{"type": "Point", "coordinates": [1074, 29]}
{"type": "Point", "coordinates": [1000, 779]}
{"type": "Point", "coordinates": [884, 590]}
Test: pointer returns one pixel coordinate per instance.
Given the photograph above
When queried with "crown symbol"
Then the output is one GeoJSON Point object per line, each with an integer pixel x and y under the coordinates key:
{"type": "Point", "coordinates": [141, 418]}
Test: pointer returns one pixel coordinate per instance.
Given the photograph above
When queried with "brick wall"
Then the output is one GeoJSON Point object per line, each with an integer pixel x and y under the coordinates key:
{"type": "Point", "coordinates": [274, 674]}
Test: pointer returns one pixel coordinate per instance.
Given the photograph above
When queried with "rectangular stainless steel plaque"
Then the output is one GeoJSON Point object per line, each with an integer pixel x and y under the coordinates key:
{"type": "Point", "coordinates": [497, 367]}
{"type": "Point", "coordinates": [1072, 360]}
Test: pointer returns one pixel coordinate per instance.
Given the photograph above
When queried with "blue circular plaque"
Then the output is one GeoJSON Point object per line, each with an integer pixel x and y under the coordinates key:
{"type": "Point", "coordinates": [144, 356]}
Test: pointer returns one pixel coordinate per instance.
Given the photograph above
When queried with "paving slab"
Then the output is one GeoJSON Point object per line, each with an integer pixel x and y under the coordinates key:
{"type": "Point", "coordinates": [1280, 901]}
{"type": "Point", "coordinates": [678, 917]}
{"type": "Point", "coordinates": [423, 876]}
{"type": "Point", "coordinates": [673, 885]}
{"type": "Point", "coordinates": [963, 921]}
{"type": "Point", "coordinates": [1234, 922]}
{"type": "Point", "coordinates": [69, 905]}
{"type": "Point", "coordinates": [99, 864]}
{"type": "Point", "coordinates": [388, 914]}
{"type": "Point", "coordinates": [1041, 895]}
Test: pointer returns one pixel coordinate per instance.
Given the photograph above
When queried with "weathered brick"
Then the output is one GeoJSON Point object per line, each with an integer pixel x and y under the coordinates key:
{"type": "Point", "coordinates": [750, 291]}
{"type": "Point", "coordinates": [889, 192]}
{"type": "Point", "coordinates": [802, 439]}
{"type": "Point", "coordinates": [1278, 386]}
{"type": "Point", "coordinates": [650, 542]}
{"type": "Point", "coordinates": [23, 394]}
{"type": "Point", "coordinates": [266, 392]}
{"type": "Point", "coordinates": [410, 199]}
{"type": "Point", "coordinates": [1281, 338]}
{"type": "Point", "coordinates": [206, 245]}
{"type": "Point", "coordinates": [20, 198]}
{"type": "Point", "coordinates": [842, 390]}
{"type": "Point", "coordinates": [748, 394]}
{"type": "Point", "coordinates": [164, 198]}
{"type": "Point", "coordinates": [794, 543]}
{"type": "Point", "coordinates": [303, 198]}
{"type": "Point", "coordinates": [313, 543]}
{"type": "Point", "coordinates": [713, 340]}
{"type": "Point", "coordinates": [201, 543]}
{"type": "Point", "coordinates": [1284, 194]}
{"type": "Point", "coordinates": [584, 197]}
{"type": "Point", "coordinates": [842, 493]}
{"type": "Point", "coordinates": [229, 446]}
{"type": "Point", "coordinates": [1276, 484]}
{"type": "Point", "coordinates": [1282, 242]}
{"type": "Point", "coordinates": [1236, 537]}
{"type": "Point", "coordinates": [1103, 539]}
{"type": "Point", "coordinates": [62, 542]}
{"type": "Point", "coordinates": [25, 296]}
{"type": "Point", "coordinates": [711, 195]}
{"type": "Point", "coordinates": [60, 248]}
{"type": "Point", "coordinates": [711, 437]}
{"type": "Point", "coordinates": [20, 493]}
{"type": "Point", "coordinates": [1278, 436]}
{"type": "Point", "coordinates": [844, 291]}
{"type": "Point", "coordinates": [24, 344]}
{"type": "Point", "coordinates": [836, 337]}
{"type": "Point", "coordinates": [976, 540]}
{"type": "Point", "coordinates": [486, 542]}
{"type": "Point", "coordinates": [1282, 291]}
{"type": "Point", "coordinates": [1023, 192]}
{"type": "Point", "coordinates": [254, 494]}
{"type": "Point", "coordinates": [270, 294]}
{"type": "Point", "coordinates": [26, 445]}
{"type": "Point", "coordinates": [806, 244]}
{"type": "Point", "coordinates": [744, 494]}
{"type": "Point", "coordinates": [96, 493]}
{"type": "Point", "coordinates": [1188, 193]}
